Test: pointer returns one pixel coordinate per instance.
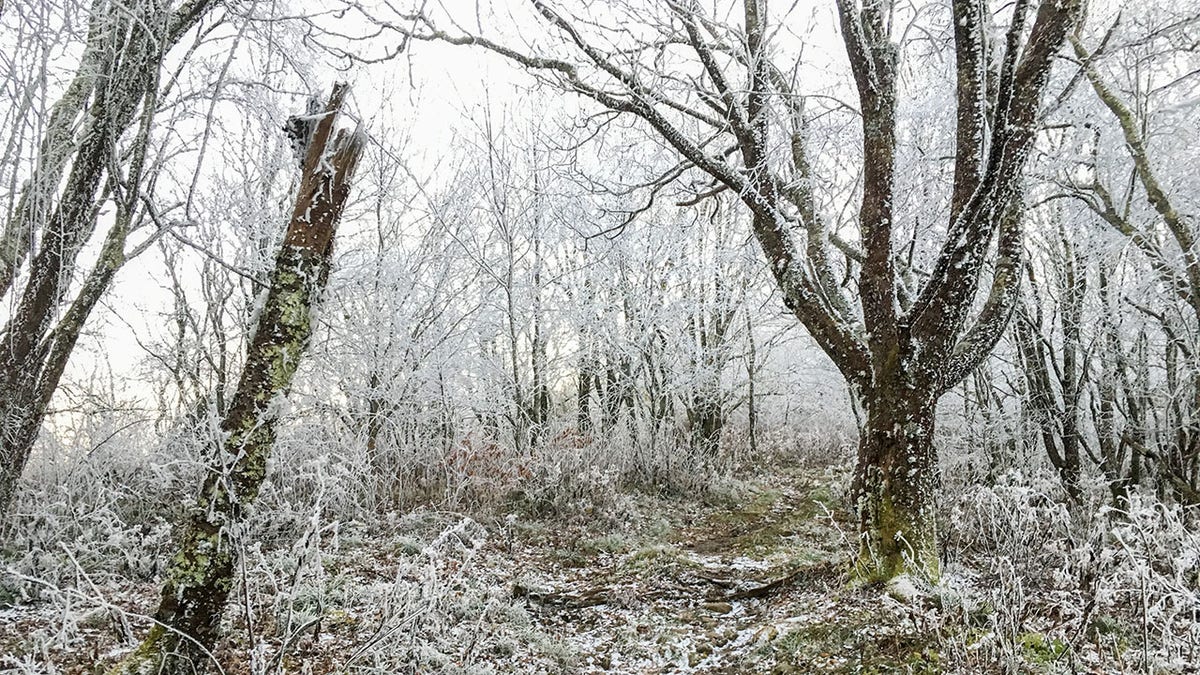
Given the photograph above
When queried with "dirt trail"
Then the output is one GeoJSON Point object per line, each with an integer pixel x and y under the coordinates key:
{"type": "Point", "coordinates": [731, 588]}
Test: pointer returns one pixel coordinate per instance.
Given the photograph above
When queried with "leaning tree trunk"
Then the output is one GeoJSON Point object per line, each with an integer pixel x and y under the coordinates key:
{"type": "Point", "coordinates": [200, 575]}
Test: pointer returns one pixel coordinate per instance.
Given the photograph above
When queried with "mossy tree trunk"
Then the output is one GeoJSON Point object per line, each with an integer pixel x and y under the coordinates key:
{"type": "Point", "coordinates": [895, 485]}
{"type": "Point", "coordinates": [201, 573]}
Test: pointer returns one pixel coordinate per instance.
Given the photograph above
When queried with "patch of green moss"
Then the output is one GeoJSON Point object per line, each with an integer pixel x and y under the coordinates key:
{"type": "Point", "coordinates": [608, 543]}
{"type": "Point", "coordinates": [849, 647]}
{"type": "Point", "coordinates": [657, 560]}
{"type": "Point", "coordinates": [653, 554]}
{"type": "Point", "coordinates": [9, 591]}
{"type": "Point", "coordinates": [773, 523]}
{"type": "Point", "coordinates": [1038, 649]}
{"type": "Point", "coordinates": [406, 546]}
{"type": "Point", "coordinates": [1105, 625]}
{"type": "Point", "coordinates": [900, 546]}
{"type": "Point", "coordinates": [571, 557]}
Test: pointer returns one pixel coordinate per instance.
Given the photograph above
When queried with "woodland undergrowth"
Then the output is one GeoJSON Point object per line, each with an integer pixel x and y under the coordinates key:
{"type": "Point", "coordinates": [590, 558]}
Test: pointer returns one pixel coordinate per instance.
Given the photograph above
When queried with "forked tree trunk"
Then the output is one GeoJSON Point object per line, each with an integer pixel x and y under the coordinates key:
{"type": "Point", "coordinates": [895, 484]}
{"type": "Point", "coordinates": [200, 574]}
{"type": "Point", "coordinates": [927, 338]}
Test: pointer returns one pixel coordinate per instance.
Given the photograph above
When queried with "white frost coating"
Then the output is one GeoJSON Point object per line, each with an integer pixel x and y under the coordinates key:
{"type": "Point", "coordinates": [260, 301]}
{"type": "Point", "coordinates": [905, 589]}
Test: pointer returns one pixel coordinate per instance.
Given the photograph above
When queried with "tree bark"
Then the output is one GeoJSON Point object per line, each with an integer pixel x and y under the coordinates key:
{"type": "Point", "coordinates": [895, 485]}
{"type": "Point", "coordinates": [583, 397]}
{"type": "Point", "coordinates": [200, 575]}
{"type": "Point", "coordinates": [125, 49]}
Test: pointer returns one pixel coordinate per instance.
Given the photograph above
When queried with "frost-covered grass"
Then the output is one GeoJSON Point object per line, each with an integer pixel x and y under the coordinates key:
{"type": "Point", "coordinates": [1117, 591]}
{"type": "Point", "coordinates": [592, 572]}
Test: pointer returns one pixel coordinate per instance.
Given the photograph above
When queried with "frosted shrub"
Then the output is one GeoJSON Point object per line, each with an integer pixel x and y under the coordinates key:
{"type": "Point", "coordinates": [1117, 590]}
{"type": "Point", "coordinates": [1152, 558]}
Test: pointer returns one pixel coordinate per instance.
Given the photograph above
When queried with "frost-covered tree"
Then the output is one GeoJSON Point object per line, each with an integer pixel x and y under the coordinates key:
{"type": "Point", "coordinates": [200, 575]}
{"type": "Point", "coordinates": [1056, 374]}
{"type": "Point", "coordinates": [726, 91]}
{"type": "Point", "coordinates": [1141, 72]}
{"type": "Point", "coordinates": [92, 151]}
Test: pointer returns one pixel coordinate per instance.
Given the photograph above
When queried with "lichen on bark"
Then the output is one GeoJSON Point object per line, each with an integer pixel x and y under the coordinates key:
{"type": "Point", "coordinates": [894, 486]}
{"type": "Point", "coordinates": [199, 576]}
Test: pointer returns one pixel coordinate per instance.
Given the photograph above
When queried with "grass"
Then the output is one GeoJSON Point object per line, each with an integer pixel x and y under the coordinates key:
{"type": "Point", "coordinates": [658, 590]}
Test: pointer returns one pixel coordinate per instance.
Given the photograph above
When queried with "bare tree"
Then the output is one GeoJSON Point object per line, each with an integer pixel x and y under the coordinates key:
{"type": "Point", "coordinates": [1160, 222]}
{"type": "Point", "coordinates": [715, 94]}
{"type": "Point", "coordinates": [715, 290]}
{"type": "Point", "coordinates": [1056, 378]}
{"type": "Point", "coordinates": [399, 332]}
{"type": "Point", "coordinates": [1118, 392]}
{"type": "Point", "coordinates": [80, 166]}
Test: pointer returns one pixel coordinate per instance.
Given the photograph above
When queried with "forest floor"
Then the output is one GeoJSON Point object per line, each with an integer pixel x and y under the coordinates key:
{"type": "Point", "coordinates": [752, 581]}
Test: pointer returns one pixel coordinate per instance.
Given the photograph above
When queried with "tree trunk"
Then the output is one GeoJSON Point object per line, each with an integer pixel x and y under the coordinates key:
{"type": "Point", "coordinates": [751, 376]}
{"type": "Point", "coordinates": [125, 49]}
{"type": "Point", "coordinates": [583, 394]}
{"type": "Point", "coordinates": [1057, 430]}
{"type": "Point", "coordinates": [25, 403]}
{"type": "Point", "coordinates": [200, 575]}
{"type": "Point", "coordinates": [1113, 449]}
{"type": "Point", "coordinates": [707, 419]}
{"type": "Point", "coordinates": [895, 486]}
